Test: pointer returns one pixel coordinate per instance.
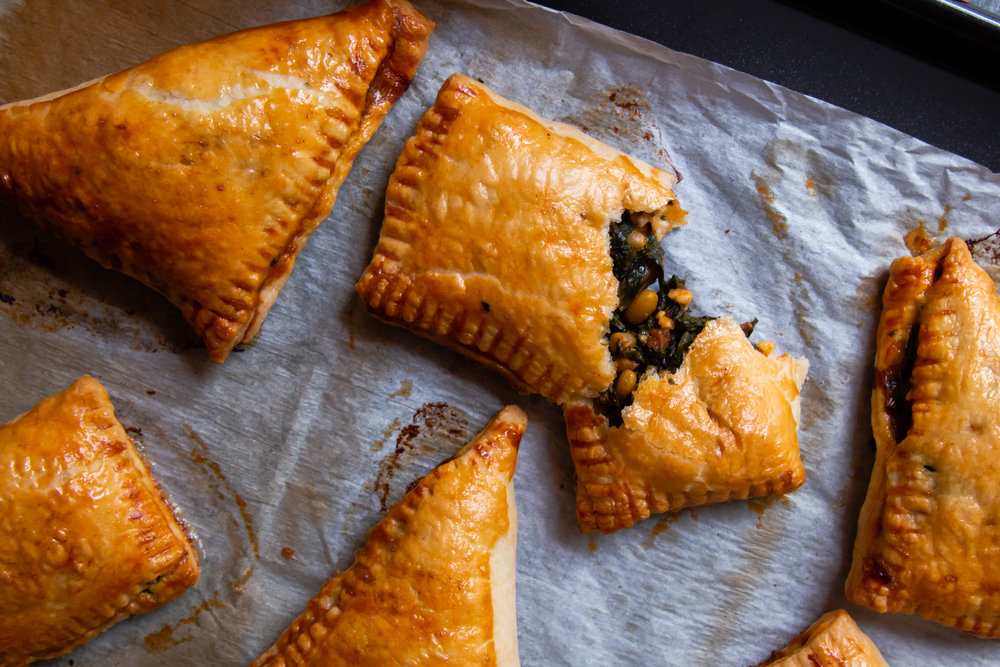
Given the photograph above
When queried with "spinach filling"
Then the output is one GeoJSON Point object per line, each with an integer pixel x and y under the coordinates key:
{"type": "Point", "coordinates": [651, 327]}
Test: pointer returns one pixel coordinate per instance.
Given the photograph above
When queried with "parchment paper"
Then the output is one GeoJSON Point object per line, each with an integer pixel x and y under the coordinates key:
{"type": "Point", "coordinates": [284, 457]}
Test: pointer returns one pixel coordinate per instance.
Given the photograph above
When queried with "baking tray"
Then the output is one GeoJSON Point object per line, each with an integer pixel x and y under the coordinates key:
{"type": "Point", "coordinates": [282, 458]}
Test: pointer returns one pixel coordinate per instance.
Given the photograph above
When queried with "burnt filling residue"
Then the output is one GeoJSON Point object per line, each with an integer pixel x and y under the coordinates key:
{"type": "Point", "coordinates": [651, 328]}
{"type": "Point", "coordinates": [436, 428]}
{"type": "Point", "coordinates": [876, 571]}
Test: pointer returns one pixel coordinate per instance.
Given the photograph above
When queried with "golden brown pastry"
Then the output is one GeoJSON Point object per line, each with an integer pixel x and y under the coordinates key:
{"type": "Point", "coordinates": [723, 426]}
{"type": "Point", "coordinates": [86, 539]}
{"type": "Point", "coordinates": [495, 239]}
{"type": "Point", "coordinates": [203, 171]}
{"type": "Point", "coordinates": [435, 582]}
{"type": "Point", "coordinates": [529, 247]}
{"type": "Point", "coordinates": [834, 640]}
{"type": "Point", "coordinates": [928, 536]}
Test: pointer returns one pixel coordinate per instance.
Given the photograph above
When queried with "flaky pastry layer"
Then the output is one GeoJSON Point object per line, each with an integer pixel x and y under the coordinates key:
{"type": "Point", "coordinates": [723, 426]}
{"type": "Point", "coordinates": [86, 539]}
{"type": "Point", "coordinates": [928, 535]}
{"type": "Point", "coordinates": [495, 239]}
{"type": "Point", "coordinates": [434, 584]}
{"type": "Point", "coordinates": [203, 171]}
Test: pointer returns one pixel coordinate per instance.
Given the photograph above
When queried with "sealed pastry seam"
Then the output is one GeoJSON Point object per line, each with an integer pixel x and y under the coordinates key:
{"type": "Point", "coordinates": [434, 582]}
{"type": "Point", "coordinates": [203, 171]}
{"type": "Point", "coordinates": [926, 535]}
{"type": "Point", "coordinates": [87, 539]}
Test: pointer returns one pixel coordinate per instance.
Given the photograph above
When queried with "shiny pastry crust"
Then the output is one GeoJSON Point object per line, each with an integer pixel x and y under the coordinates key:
{"type": "Point", "coordinates": [495, 239]}
{"type": "Point", "coordinates": [723, 426]}
{"type": "Point", "coordinates": [85, 537]}
{"type": "Point", "coordinates": [203, 171]}
{"type": "Point", "coordinates": [435, 582]}
{"type": "Point", "coordinates": [834, 640]}
{"type": "Point", "coordinates": [928, 540]}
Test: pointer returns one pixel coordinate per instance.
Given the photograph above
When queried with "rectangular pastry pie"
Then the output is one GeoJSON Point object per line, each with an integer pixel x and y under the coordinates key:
{"type": "Point", "coordinates": [434, 584]}
{"type": "Point", "coordinates": [86, 539]}
{"type": "Point", "coordinates": [929, 535]}
{"type": "Point", "coordinates": [203, 171]}
{"type": "Point", "coordinates": [835, 640]}
{"type": "Point", "coordinates": [530, 247]}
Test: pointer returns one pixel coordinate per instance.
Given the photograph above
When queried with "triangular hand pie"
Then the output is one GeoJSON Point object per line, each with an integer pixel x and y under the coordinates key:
{"type": "Point", "coordinates": [835, 640]}
{"type": "Point", "coordinates": [529, 247]}
{"type": "Point", "coordinates": [495, 239]}
{"type": "Point", "coordinates": [86, 539]}
{"type": "Point", "coordinates": [929, 534]}
{"type": "Point", "coordinates": [434, 583]}
{"type": "Point", "coordinates": [723, 426]}
{"type": "Point", "coordinates": [203, 171]}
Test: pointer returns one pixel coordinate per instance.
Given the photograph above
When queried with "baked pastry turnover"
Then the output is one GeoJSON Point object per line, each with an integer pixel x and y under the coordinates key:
{"type": "Point", "coordinates": [86, 539]}
{"type": "Point", "coordinates": [434, 583]}
{"type": "Point", "coordinates": [834, 640]}
{"type": "Point", "coordinates": [929, 536]}
{"type": "Point", "coordinates": [203, 171]}
{"type": "Point", "coordinates": [531, 248]}
{"type": "Point", "coordinates": [495, 239]}
{"type": "Point", "coordinates": [722, 426]}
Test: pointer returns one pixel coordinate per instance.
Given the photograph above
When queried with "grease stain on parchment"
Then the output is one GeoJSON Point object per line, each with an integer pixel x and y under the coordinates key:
{"type": "Point", "coordinates": [386, 434]}
{"type": "Point", "coordinates": [435, 433]}
{"type": "Point", "coordinates": [221, 494]}
{"type": "Point", "coordinates": [218, 481]}
{"type": "Point", "coordinates": [759, 506]}
{"type": "Point", "coordinates": [47, 285]}
{"type": "Point", "coordinates": [918, 241]}
{"type": "Point", "coordinates": [779, 223]}
{"type": "Point", "coordinates": [661, 526]}
{"type": "Point", "coordinates": [917, 238]}
{"type": "Point", "coordinates": [405, 388]}
{"type": "Point", "coordinates": [625, 112]}
{"type": "Point", "coordinates": [869, 292]}
{"type": "Point", "coordinates": [162, 639]}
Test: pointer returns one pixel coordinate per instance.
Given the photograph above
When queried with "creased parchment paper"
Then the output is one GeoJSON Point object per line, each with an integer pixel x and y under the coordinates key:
{"type": "Point", "coordinates": [283, 458]}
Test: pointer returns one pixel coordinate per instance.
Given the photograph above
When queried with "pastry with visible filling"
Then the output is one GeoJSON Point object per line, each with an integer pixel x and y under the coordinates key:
{"type": "Point", "coordinates": [534, 249]}
{"type": "Point", "coordinates": [495, 239]}
{"type": "Point", "coordinates": [835, 640]}
{"type": "Point", "coordinates": [203, 171]}
{"type": "Point", "coordinates": [434, 583]}
{"type": "Point", "coordinates": [721, 426]}
{"type": "Point", "coordinates": [929, 535]}
{"type": "Point", "coordinates": [86, 539]}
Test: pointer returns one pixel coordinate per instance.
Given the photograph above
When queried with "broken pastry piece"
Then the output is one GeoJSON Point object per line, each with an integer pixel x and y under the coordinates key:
{"type": "Point", "coordinates": [723, 425]}
{"type": "Point", "coordinates": [531, 248]}
{"type": "Point", "coordinates": [203, 171]}
{"type": "Point", "coordinates": [86, 539]}
{"type": "Point", "coordinates": [928, 536]}
{"type": "Point", "coordinates": [495, 239]}
{"type": "Point", "coordinates": [835, 640]}
{"type": "Point", "coordinates": [435, 581]}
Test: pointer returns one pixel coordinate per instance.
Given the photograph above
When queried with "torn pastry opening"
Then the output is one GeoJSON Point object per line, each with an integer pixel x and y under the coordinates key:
{"type": "Point", "coordinates": [652, 328]}
{"type": "Point", "coordinates": [896, 381]}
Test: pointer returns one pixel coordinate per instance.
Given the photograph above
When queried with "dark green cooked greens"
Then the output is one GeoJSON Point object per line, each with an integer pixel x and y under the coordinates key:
{"type": "Point", "coordinates": [646, 336]}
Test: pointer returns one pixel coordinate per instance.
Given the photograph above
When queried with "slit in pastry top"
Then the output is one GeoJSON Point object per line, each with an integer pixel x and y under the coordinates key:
{"type": "Point", "coordinates": [203, 171]}
{"type": "Point", "coordinates": [928, 534]}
